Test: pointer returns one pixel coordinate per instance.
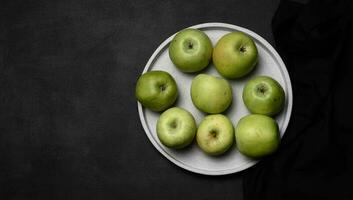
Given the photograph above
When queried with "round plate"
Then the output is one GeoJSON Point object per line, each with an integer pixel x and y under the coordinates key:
{"type": "Point", "coordinates": [192, 158]}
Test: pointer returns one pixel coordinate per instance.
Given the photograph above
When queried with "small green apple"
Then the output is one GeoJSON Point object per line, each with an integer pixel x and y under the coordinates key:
{"type": "Point", "coordinates": [176, 128]}
{"type": "Point", "coordinates": [215, 134]}
{"type": "Point", "coordinates": [156, 90]}
{"type": "Point", "coordinates": [190, 50]}
{"type": "Point", "coordinates": [263, 95]}
{"type": "Point", "coordinates": [211, 94]}
{"type": "Point", "coordinates": [235, 55]}
{"type": "Point", "coordinates": [257, 135]}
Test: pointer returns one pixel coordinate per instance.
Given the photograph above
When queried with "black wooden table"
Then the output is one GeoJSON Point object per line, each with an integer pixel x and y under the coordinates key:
{"type": "Point", "coordinates": [69, 126]}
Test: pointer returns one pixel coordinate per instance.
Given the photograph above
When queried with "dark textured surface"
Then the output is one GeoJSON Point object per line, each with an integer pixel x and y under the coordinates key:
{"type": "Point", "coordinates": [69, 125]}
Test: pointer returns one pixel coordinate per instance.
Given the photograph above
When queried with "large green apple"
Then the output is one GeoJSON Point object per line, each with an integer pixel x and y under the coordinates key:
{"type": "Point", "coordinates": [263, 95]}
{"type": "Point", "coordinates": [190, 50]}
{"type": "Point", "coordinates": [211, 94]}
{"type": "Point", "coordinates": [176, 128]}
{"type": "Point", "coordinates": [257, 135]}
{"type": "Point", "coordinates": [156, 90]}
{"type": "Point", "coordinates": [215, 134]}
{"type": "Point", "coordinates": [235, 55]}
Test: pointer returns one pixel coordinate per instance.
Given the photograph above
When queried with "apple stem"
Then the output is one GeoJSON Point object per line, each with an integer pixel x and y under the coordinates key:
{"type": "Point", "coordinates": [213, 133]}
{"type": "Point", "coordinates": [190, 45]}
{"type": "Point", "coordinates": [162, 87]}
{"type": "Point", "coordinates": [262, 89]}
{"type": "Point", "coordinates": [173, 124]}
{"type": "Point", "coordinates": [242, 49]}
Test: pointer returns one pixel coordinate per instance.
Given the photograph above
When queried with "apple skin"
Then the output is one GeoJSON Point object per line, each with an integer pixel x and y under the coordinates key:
{"type": "Point", "coordinates": [263, 95]}
{"type": "Point", "coordinates": [235, 55]}
{"type": "Point", "coordinates": [176, 128]}
{"type": "Point", "coordinates": [156, 90]}
{"type": "Point", "coordinates": [215, 134]}
{"type": "Point", "coordinates": [190, 50]}
{"type": "Point", "coordinates": [257, 135]}
{"type": "Point", "coordinates": [211, 94]}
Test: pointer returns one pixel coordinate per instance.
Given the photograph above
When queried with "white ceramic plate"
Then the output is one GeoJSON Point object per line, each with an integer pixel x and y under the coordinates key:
{"type": "Point", "coordinates": [192, 158]}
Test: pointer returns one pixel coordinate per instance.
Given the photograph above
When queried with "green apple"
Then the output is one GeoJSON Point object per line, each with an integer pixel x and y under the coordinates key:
{"type": "Point", "coordinates": [257, 135]}
{"type": "Point", "coordinates": [211, 94]}
{"type": "Point", "coordinates": [263, 95]}
{"type": "Point", "coordinates": [176, 128]}
{"type": "Point", "coordinates": [215, 134]}
{"type": "Point", "coordinates": [235, 55]}
{"type": "Point", "coordinates": [190, 50]}
{"type": "Point", "coordinates": [156, 90]}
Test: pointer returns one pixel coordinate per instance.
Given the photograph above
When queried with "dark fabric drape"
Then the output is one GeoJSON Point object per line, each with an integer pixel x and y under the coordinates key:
{"type": "Point", "coordinates": [314, 161]}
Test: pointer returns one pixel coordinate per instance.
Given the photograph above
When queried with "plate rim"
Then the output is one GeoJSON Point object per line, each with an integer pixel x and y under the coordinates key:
{"type": "Point", "coordinates": [282, 67]}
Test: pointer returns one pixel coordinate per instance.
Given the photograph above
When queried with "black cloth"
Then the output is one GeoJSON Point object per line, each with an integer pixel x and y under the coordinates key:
{"type": "Point", "coordinates": [315, 158]}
